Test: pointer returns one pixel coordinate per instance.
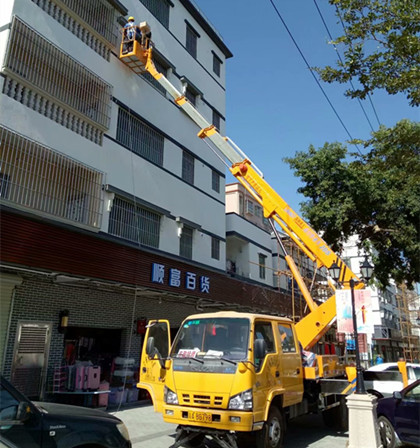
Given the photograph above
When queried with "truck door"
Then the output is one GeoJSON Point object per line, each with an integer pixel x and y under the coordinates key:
{"type": "Point", "coordinates": [267, 369]}
{"type": "Point", "coordinates": [291, 368]}
{"type": "Point", "coordinates": [152, 367]}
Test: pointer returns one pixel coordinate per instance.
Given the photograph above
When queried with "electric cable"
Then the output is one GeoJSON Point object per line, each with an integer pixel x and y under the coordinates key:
{"type": "Point", "coordinates": [315, 78]}
{"type": "Point", "coordinates": [341, 60]}
{"type": "Point", "coordinates": [368, 95]}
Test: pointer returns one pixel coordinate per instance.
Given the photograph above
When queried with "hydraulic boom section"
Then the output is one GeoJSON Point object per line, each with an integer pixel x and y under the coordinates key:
{"type": "Point", "coordinates": [138, 56]}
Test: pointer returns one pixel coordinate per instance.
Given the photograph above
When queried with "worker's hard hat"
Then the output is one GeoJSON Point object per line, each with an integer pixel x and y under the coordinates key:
{"type": "Point", "coordinates": [131, 19]}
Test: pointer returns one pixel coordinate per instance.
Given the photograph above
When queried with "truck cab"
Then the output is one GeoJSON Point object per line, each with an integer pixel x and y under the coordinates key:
{"type": "Point", "coordinates": [225, 371]}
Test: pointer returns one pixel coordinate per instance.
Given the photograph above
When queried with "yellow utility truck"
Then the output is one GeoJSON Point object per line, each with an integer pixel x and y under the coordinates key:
{"type": "Point", "coordinates": [239, 376]}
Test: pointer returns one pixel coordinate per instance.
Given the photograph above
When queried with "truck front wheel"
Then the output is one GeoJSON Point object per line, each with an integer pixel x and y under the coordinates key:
{"type": "Point", "coordinates": [272, 434]}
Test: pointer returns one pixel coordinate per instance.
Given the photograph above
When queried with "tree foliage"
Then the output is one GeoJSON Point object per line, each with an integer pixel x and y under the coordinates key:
{"type": "Point", "coordinates": [376, 196]}
{"type": "Point", "coordinates": [381, 47]}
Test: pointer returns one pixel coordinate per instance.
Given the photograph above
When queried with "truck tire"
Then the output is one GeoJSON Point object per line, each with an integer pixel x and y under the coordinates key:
{"type": "Point", "coordinates": [272, 434]}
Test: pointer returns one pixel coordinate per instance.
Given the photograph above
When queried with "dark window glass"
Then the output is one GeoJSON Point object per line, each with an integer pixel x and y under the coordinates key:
{"type": "Point", "coordinates": [134, 223]}
{"type": "Point", "coordinates": [4, 185]}
{"type": "Point", "coordinates": [191, 96]}
{"type": "Point", "coordinates": [216, 65]}
{"type": "Point", "coordinates": [191, 42]}
{"type": "Point", "coordinates": [8, 405]}
{"type": "Point", "coordinates": [188, 167]}
{"type": "Point", "coordinates": [287, 340]}
{"type": "Point", "coordinates": [160, 9]}
{"type": "Point", "coordinates": [261, 262]}
{"type": "Point", "coordinates": [161, 68]}
{"type": "Point", "coordinates": [215, 181]}
{"type": "Point", "coordinates": [264, 330]}
{"type": "Point", "coordinates": [215, 248]}
{"type": "Point", "coordinates": [186, 242]}
{"type": "Point", "coordinates": [216, 120]}
{"type": "Point", "coordinates": [140, 138]}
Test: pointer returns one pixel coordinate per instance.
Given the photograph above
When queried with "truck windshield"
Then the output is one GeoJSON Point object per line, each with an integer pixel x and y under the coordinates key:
{"type": "Point", "coordinates": [212, 338]}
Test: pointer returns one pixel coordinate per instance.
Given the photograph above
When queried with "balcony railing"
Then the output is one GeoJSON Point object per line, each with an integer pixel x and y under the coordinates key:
{"type": "Point", "coordinates": [35, 177]}
{"type": "Point", "coordinates": [48, 75]}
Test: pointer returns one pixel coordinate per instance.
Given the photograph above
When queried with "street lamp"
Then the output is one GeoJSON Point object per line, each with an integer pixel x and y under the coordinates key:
{"type": "Point", "coordinates": [366, 269]}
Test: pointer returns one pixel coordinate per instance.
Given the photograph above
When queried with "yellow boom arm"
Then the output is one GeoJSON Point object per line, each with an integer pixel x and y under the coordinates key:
{"type": "Point", "coordinates": [311, 328]}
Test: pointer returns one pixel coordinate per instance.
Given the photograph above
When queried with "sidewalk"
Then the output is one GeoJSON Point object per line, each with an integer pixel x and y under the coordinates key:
{"type": "Point", "coordinates": [148, 430]}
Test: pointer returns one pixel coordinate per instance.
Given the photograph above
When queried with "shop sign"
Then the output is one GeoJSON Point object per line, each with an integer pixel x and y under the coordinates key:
{"type": "Point", "coordinates": [176, 278]}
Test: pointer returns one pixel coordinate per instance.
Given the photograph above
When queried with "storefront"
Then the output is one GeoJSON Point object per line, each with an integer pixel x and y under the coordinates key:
{"type": "Point", "coordinates": [83, 301]}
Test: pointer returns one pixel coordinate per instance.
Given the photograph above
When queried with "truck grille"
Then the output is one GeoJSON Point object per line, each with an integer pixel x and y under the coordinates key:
{"type": "Point", "coordinates": [202, 400]}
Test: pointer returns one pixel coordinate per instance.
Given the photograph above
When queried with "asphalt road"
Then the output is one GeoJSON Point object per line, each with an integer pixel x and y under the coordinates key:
{"type": "Point", "coordinates": [148, 430]}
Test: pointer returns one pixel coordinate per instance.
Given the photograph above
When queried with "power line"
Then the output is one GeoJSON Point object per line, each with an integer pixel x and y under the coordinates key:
{"type": "Point", "coordinates": [341, 60]}
{"type": "Point", "coordinates": [315, 78]}
{"type": "Point", "coordinates": [369, 96]}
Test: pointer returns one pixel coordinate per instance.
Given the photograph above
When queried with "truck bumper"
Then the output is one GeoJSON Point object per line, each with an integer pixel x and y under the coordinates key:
{"type": "Point", "coordinates": [221, 419]}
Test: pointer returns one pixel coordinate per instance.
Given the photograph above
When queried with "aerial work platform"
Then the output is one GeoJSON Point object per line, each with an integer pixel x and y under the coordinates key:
{"type": "Point", "coordinates": [135, 51]}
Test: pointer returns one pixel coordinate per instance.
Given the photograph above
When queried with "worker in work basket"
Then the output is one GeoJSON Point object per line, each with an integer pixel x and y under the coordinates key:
{"type": "Point", "coordinates": [133, 32]}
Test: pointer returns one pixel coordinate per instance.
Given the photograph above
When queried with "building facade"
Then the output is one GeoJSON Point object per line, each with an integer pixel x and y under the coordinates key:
{"type": "Point", "coordinates": [113, 211]}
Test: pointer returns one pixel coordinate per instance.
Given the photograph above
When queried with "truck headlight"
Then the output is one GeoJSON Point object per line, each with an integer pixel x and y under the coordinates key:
{"type": "Point", "coordinates": [123, 431]}
{"type": "Point", "coordinates": [169, 396]}
{"type": "Point", "coordinates": [242, 401]}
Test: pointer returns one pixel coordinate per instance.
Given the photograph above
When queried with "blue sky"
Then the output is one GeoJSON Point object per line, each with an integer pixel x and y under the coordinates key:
{"type": "Point", "coordinates": [274, 106]}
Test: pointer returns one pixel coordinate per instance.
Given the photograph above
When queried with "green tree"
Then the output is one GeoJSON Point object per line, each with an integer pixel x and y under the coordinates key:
{"type": "Point", "coordinates": [381, 47]}
{"type": "Point", "coordinates": [376, 196]}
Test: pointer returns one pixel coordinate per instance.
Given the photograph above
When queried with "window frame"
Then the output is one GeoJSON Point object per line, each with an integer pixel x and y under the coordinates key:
{"type": "Point", "coordinates": [217, 65]}
{"type": "Point", "coordinates": [262, 265]}
{"type": "Point", "coordinates": [186, 247]}
{"type": "Point", "coordinates": [188, 167]}
{"type": "Point", "coordinates": [191, 40]}
{"type": "Point", "coordinates": [215, 248]}
{"type": "Point", "coordinates": [215, 181]}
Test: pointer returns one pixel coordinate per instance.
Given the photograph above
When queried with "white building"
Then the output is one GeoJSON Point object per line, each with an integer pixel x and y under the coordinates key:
{"type": "Point", "coordinates": [386, 339]}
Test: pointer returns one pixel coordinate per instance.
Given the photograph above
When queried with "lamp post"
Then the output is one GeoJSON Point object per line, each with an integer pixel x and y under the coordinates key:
{"type": "Point", "coordinates": [366, 269]}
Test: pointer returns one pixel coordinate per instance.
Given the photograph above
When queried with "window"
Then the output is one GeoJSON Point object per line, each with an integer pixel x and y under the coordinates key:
{"type": "Point", "coordinates": [215, 181]}
{"type": "Point", "coordinates": [249, 207]}
{"type": "Point", "coordinates": [261, 262]}
{"type": "Point", "coordinates": [215, 248]}
{"type": "Point", "coordinates": [4, 185]}
{"type": "Point", "coordinates": [38, 178]}
{"type": "Point", "coordinates": [287, 340]}
{"type": "Point", "coordinates": [186, 242]}
{"type": "Point", "coordinates": [217, 63]}
{"type": "Point", "coordinates": [161, 68]}
{"type": "Point", "coordinates": [160, 9]}
{"type": "Point", "coordinates": [134, 223]}
{"type": "Point", "coordinates": [8, 405]}
{"type": "Point", "coordinates": [191, 41]}
{"type": "Point", "coordinates": [188, 167]}
{"type": "Point", "coordinates": [191, 96]}
{"type": "Point", "coordinates": [258, 211]}
{"type": "Point", "coordinates": [139, 137]}
{"type": "Point", "coordinates": [216, 119]}
{"type": "Point", "coordinates": [264, 330]}
{"type": "Point", "coordinates": [52, 71]}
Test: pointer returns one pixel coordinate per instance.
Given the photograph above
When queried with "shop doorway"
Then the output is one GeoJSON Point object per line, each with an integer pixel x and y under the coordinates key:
{"type": "Point", "coordinates": [98, 346]}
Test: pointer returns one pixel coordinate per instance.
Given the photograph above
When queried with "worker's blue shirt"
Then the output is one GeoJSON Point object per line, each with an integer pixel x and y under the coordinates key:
{"type": "Point", "coordinates": [131, 30]}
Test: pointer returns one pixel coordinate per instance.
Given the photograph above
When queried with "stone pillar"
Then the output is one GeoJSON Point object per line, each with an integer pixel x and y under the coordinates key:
{"type": "Point", "coordinates": [363, 428]}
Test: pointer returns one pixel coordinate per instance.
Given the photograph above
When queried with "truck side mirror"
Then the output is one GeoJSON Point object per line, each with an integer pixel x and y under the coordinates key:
{"type": "Point", "coordinates": [150, 346]}
{"type": "Point", "coordinates": [260, 348]}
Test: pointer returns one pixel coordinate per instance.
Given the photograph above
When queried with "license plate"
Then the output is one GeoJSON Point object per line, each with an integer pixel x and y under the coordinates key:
{"type": "Point", "coordinates": [200, 417]}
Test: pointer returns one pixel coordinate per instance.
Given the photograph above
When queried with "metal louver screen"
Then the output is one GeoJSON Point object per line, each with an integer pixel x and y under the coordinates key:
{"type": "Point", "coordinates": [30, 358]}
{"type": "Point", "coordinates": [32, 340]}
{"type": "Point", "coordinates": [39, 63]}
{"type": "Point", "coordinates": [39, 178]}
{"type": "Point", "coordinates": [101, 16]}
